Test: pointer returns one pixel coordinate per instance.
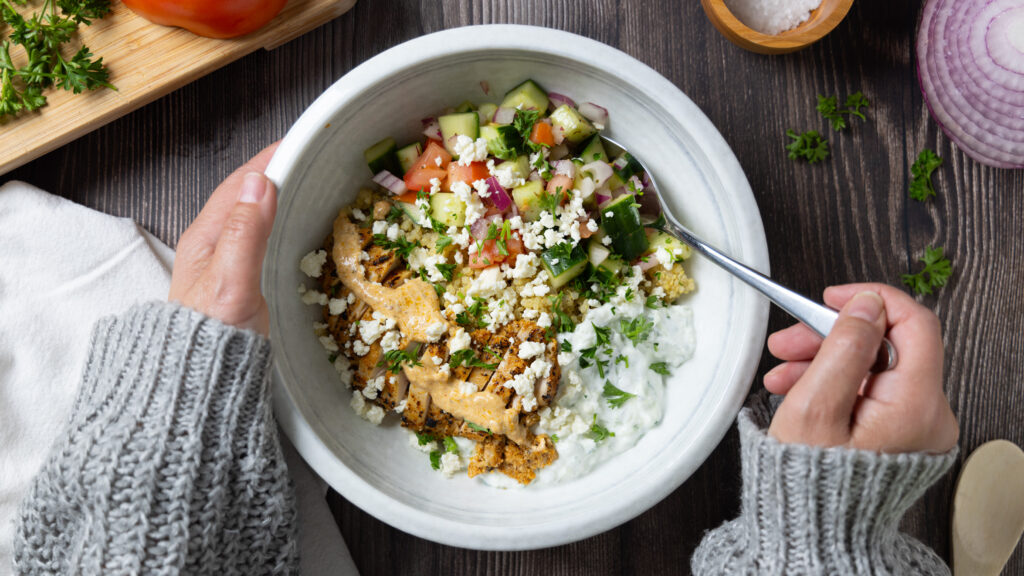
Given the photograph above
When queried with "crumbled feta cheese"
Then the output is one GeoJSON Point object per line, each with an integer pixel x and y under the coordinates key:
{"type": "Point", "coordinates": [435, 331]}
{"type": "Point", "coordinates": [312, 264]}
{"type": "Point", "coordinates": [482, 189]}
{"type": "Point", "coordinates": [336, 306]}
{"type": "Point", "coordinates": [437, 161]}
{"type": "Point", "coordinates": [436, 360]}
{"type": "Point", "coordinates": [505, 174]}
{"type": "Point", "coordinates": [450, 464]}
{"type": "Point", "coordinates": [400, 407]}
{"type": "Point", "coordinates": [314, 297]}
{"type": "Point", "coordinates": [360, 348]}
{"type": "Point", "coordinates": [392, 340]}
{"type": "Point", "coordinates": [544, 321]}
{"type": "Point", "coordinates": [358, 403]}
{"type": "Point", "coordinates": [445, 370]}
{"type": "Point", "coordinates": [609, 214]}
{"type": "Point", "coordinates": [467, 388]}
{"type": "Point", "coordinates": [487, 284]}
{"type": "Point", "coordinates": [458, 258]}
{"type": "Point", "coordinates": [530, 349]}
{"type": "Point", "coordinates": [435, 185]}
{"type": "Point", "coordinates": [373, 387]}
{"type": "Point", "coordinates": [591, 225]}
{"type": "Point", "coordinates": [530, 313]}
{"type": "Point", "coordinates": [375, 415]}
{"type": "Point", "coordinates": [358, 214]}
{"type": "Point", "coordinates": [328, 343]}
{"type": "Point", "coordinates": [663, 257]}
{"type": "Point", "coordinates": [607, 240]}
{"type": "Point", "coordinates": [459, 341]}
{"type": "Point", "coordinates": [394, 232]}
{"type": "Point", "coordinates": [344, 369]}
{"type": "Point", "coordinates": [380, 226]}
{"type": "Point", "coordinates": [474, 208]}
{"type": "Point", "coordinates": [351, 298]}
{"type": "Point", "coordinates": [469, 150]}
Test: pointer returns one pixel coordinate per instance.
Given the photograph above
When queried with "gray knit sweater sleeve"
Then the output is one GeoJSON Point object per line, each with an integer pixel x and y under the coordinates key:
{"type": "Point", "coordinates": [808, 510]}
{"type": "Point", "coordinates": [170, 463]}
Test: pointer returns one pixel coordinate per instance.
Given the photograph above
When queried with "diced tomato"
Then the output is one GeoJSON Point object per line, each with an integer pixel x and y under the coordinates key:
{"type": "Point", "coordinates": [560, 181]}
{"type": "Point", "coordinates": [468, 174]}
{"type": "Point", "coordinates": [429, 157]}
{"type": "Point", "coordinates": [487, 256]}
{"type": "Point", "coordinates": [515, 247]}
{"type": "Point", "coordinates": [435, 141]}
{"type": "Point", "coordinates": [409, 197]}
{"type": "Point", "coordinates": [584, 231]}
{"type": "Point", "coordinates": [419, 178]}
{"type": "Point", "coordinates": [542, 134]}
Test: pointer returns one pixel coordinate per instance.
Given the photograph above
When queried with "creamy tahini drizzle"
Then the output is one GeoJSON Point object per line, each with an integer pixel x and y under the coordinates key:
{"type": "Point", "coordinates": [414, 307]}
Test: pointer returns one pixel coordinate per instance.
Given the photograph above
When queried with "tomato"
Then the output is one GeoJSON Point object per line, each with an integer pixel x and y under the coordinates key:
{"type": "Point", "coordinates": [542, 134]}
{"type": "Point", "coordinates": [429, 158]}
{"type": "Point", "coordinates": [409, 197]}
{"type": "Point", "coordinates": [417, 179]}
{"type": "Point", "coordinates": [213, 19]}
{"type": "Point", "coordinates": [487, 256]}
{"type": "Point", "coordinates": [468, 174]}
{"type": "Point", "coordinates": [515, 247]}
{"type": "Point", "coordinates": [560, 183]}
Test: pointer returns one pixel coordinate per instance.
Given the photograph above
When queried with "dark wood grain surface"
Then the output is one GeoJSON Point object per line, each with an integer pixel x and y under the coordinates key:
{"type": "Point", "coordinates": [848, 219]}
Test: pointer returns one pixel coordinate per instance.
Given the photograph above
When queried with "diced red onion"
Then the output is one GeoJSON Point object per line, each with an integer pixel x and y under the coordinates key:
{"type": "Point", "coordinates": [504, 115]}
{"type": "Point", "coordinates": [602, 196]}
{"type": "Point", "coordinates": [598, 170]}
{"type": "Point", "coordinates": [394, 184]}
{"type": "Point", "coordinates": [634, 185]}
{"type": "Point", "coordinates": [594, 113]}
{"type": "Point", "coordinates": [647, 181]}
{"type": "Point", "coordinates": [650, 263]}
{"type": "Point", "coordinates": [557, 100]}
{"type": "Point", "coordinates": [431, 128]}
{"type": "Point", "coordinates": [565, 167]}
{"type": "Point", "coordinates": [499, 198]}
{"type": "Point", "coordinates": [970, 63]}
{"type": "Point", "coordinates": [558, 152]}
{"type": "Point", "coordinates": [558, 133]}
{"type": "Point", "coordinates": [485, 86]}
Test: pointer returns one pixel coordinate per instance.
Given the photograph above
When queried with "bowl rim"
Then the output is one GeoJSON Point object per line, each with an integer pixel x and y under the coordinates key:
{"type": "Point", "coordinates": [724, 164]}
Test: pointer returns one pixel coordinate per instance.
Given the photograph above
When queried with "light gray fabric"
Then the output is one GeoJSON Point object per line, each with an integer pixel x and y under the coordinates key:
{"type": "Point", "coordinates": [171, 462]}
{"type": "Point", "coordinates": [809, 510]}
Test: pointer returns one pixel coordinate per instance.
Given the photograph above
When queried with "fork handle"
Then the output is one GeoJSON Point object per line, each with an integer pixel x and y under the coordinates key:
{"type": "Point", "coordinates": [815, 316]}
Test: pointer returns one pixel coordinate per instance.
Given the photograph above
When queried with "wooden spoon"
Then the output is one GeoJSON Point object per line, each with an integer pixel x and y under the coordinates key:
{"type": "Point", "coordinates": [988, 509]}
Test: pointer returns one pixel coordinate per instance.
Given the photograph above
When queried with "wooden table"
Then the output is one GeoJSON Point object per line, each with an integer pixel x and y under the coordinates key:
{"type": "Point", "coordinates": [845, 220]}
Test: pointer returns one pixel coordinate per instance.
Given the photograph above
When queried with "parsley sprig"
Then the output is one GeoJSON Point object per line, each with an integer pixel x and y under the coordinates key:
{"type": "Point", "coordinates": [598, 433]}
{"type": "Point", "coordinates": [393, 359]}
{"type": "Point", "coordinates": [936, 272]}
{"type": "Point", "coordinates": [472, 316]}
{"type": "Point", "coordinates": [401, 246]}
{"type": "Point", "coordinates": [42, 37]}
{"type": "Point", "coordinates": [616, 396]}
{"type": "Point", "coordinates": [830, 110]}
{"type": "Point", "coordinates": [467, 357]}
{"type": "Point", "coordinates": [809, 146]}
{"type": "Point", "coordinates": [921, 187]}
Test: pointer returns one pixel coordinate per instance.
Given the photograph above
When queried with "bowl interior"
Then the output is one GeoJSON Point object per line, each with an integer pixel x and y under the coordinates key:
{"type": "Point", "coordinates": [320, 167]}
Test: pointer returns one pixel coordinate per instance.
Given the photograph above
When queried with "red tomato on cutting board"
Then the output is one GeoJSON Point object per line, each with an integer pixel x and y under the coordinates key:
{"type": "Point", "coordinates": [210, 18]}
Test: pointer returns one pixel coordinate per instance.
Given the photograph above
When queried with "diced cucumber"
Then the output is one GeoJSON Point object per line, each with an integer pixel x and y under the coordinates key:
{"type": "Point", "coordinates": [452, 125]}
{"type": "Point", "coordinates": [447, 209]}
{"type": "Point", "coordinates": [621, 220]}
{"type": "Point", "coordinates": [486, 113]}
{"type": "Point", "coordinates": [382, 156]}
{"type": "Point", "coordinates": [502, 141]}
{"type": "Point", "coordinates": [625, 166]}
{"type": "Point", "coordinates": [466, 106]}
{"type": "Point", "coordinates": [408, 155]}
{"type": "Point", "coordinates": [526, 95]}
{"type": "Point", "coordinates": [519, 168]}
{"type": "Point", "coordinates": [598, 253]}
{"type": "Point", "coordinates": [608, 270]}
{"type": "Point", "coordinates": [564, 267]}
{"type": "Point", "coordinates": [594, 150]}
{"type": "Point", "coordinates": [527, 198]}
{"type": "Point", "coordinates": [657, 239]}
{"type": "Point", "coordinates": [574, 127]}
{"type": "Point", "coordinates": [414, 213]}
{"type": "Point", "coordinates": [614, 183]}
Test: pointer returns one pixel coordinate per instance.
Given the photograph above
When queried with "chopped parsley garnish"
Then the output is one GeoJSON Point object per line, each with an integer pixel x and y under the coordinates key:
{"type": "Point", "coordinates": [603, 335]}
{"type": "Point", "coordinates": [443, 241]}
{"type": "Point", "coordinates": [500, 235]}
{"type": "Point", "coordinates": [402, 247]}
{"type": "Point", "coordinates": [616, 397]}
{"type": "Point", "coordinates": [424, 438]}
{"type": "Point", "coordinates": [477, 427]}
{"type": "Point", "coordinates": [549, 202]}
{"type": "Point", "coordinates": [394, 214]}
{"type": "Point", "coordinates": [435, 459]}
{"type": "Point", "coordinates": [921, 187]}
{"type": "Point", "coordinates": [808, 146]}
{"type": "Point", "coordinates": [523, 123]}
{"type": "Point", "coordinates": [467, 357]}
{"type": "Point", "coordinates": [566, 346]}
{"type": "Point", "coordinates": [622, 359]}
{"type": "Point", "coordinates": [598, 433]}
{"type": "Point", "coordinates": [393, 359]}
{"type": "Point", "coordinates": [561, 322]}
{"type": "Point", "coordinates": [554, 438]}
{"type": "Point", "coordinates": [652, 302]}
{"type": "Point", "coordinates": [637, 329]}
{"type": "Point", "coordinates": [936, 272]}
{"type": "Point", "coordinates": [472, 316]}
{"type": "Point", "coordinates": [660, 368]}
{"type": "Point", "coordinates": [830, 110]}
{"type": "Point", "coordinates": [446, 270]}
{"type": "Point", "coordinates": [450, 445]}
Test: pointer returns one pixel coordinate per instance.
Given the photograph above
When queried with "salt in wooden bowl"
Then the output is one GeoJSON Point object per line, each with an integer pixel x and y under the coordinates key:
{"type": "Point", "coordinates": [822, 20]}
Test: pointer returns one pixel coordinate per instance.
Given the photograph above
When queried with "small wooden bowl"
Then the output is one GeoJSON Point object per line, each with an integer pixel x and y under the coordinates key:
{"type": "Point", "coordinates": [821, 21]}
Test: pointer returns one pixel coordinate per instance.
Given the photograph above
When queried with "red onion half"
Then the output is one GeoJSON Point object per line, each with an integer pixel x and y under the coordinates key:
{"type": "Point", "coordinates": [970, 62]}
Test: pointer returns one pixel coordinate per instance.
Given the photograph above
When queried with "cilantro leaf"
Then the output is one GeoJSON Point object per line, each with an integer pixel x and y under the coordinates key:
{"type": "Point", "coordinates": [616, 396]}
{"type": "Point", "coordinates": [808, 146]}
{"type": "Point", "coordinates": [921, 187]}
{"type": "Point", "coordinates": [936, 272]}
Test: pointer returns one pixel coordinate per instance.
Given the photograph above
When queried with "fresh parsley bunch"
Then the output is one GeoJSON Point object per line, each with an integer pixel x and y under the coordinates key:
{"type": "Point", "coordinates": [41, 37]}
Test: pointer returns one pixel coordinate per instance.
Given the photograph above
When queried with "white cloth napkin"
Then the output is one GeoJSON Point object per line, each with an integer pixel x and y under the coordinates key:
{"type": "Point", "coordinates": [62, 267]}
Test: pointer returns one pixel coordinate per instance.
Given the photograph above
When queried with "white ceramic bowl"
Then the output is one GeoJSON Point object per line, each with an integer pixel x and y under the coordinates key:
{"type": "Point", "coordinates": [320, 166]}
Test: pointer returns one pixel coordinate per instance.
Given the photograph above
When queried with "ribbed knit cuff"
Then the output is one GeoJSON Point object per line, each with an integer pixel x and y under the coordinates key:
{"type": "Point", "coordinates": [171, 460]}
{"type": "Point", "coordinates": [812, 510]}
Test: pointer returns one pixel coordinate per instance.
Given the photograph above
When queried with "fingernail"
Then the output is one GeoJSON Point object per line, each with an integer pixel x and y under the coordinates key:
{"type": "Point", "coordinates": [773, 372]}
{"type": "Point", "coordinates": [866, 305]}
{"type": "Point", "coordinates": [254, 188]}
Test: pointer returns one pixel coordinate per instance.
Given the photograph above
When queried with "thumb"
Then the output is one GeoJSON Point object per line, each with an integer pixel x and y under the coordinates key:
{"type": "Point", "coordinates": [832, 382]}
{"type": "Point", "coordinates": [238, 258]}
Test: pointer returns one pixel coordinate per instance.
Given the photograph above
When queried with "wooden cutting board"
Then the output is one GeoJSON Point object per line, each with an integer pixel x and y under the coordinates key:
{"type": "Point", "coordinates": [146, 61]}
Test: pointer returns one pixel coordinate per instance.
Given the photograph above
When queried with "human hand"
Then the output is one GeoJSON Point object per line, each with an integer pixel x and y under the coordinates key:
{"type": "Point", "coordinates": [832, 400]}
{"type": "Point", "coordinates": [220, 256]}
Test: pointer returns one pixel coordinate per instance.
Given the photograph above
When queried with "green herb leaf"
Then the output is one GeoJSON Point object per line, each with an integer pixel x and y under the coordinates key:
{"type": "Point", "coordinates": [936, 272]}
{"type": "Point", "coordinates": [477, 427]}
{"type": "Point", "coordinates": [637, 329]}
{"type": "Point", "coordinates": [423, 438]}
{"type": "Point", "coordinates": [446, 270]}
{"type": "Point", "coordinates": [603, 334]}
{"type": "Point", "coordinates": [402, 247]}
{"type": "Point", "coordinates": [393, 359]}
{"type": "Point", "coordinates": [554, 438]}
{"type": "Point", "coordinates": [808, 146]}
{"type": "Point", "coordinates": [830, 110]}
{"type": "Point", "coordinates": [467, 357]}
{"type": "Point", "coordinates": [921, 187]}
{"type": "Point", "coordinates": [616, 396]}
{"type": "Point", "coordinates": [435, 459]}
{"type": "Point", "coordinates": [598, 433]}
{"type": "Point", "coordinates": [660, 368]}
{"type": "Point", "coordinates": [450, 445]}
{"type": "Point", "coordinates": [566, 346]}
